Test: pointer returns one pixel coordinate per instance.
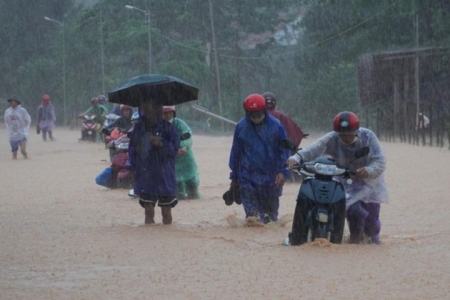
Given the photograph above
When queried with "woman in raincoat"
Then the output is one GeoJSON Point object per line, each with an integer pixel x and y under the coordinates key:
{"type": "Point", "coordinates": [46, 117]}
{"type": "Point", "coordinates": [186, 167]}
{"type": "Point", "coordinates": [257, 160]}
{"type": "Point", "coordinates": [369, 188]}
{"type": "Point", "coordinates": [152, 150]}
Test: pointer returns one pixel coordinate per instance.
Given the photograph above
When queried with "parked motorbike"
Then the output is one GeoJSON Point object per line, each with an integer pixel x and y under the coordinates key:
{"type": "Point", "coordinates": [110, 119]}
{"type": "Point", "coordinates": [111, 135]}
{"type": "Point", "coordinates": [320, 208]}
{"type": "Point", "coordinates": [117, 175]}
{"type": "Point", "coordinates": [89, 128]}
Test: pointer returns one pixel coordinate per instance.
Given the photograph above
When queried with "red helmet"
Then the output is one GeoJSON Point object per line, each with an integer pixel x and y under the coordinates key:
{"type": "Point", "coordinates": [169, 108]}
{"type": "Point", "coordinates": [254, 102]}
{"type": "Point", "coordinates": [124, 107]}
{"type": "Point", "coordinates": [45, 97]}
{"type": "Point", "coordinates": [345, 121]}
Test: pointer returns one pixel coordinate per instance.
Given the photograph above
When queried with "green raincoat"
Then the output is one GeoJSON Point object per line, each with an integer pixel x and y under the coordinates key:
{"type": "Point", "coordinates": [186, 167]}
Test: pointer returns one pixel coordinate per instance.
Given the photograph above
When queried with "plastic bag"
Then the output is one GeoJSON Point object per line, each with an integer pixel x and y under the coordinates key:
{"type": "Point", "coordinates": [105, 177]}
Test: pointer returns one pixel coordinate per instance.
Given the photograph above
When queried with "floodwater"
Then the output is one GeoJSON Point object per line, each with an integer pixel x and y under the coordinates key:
{"type": "Point", "coordinates": [64, 237]}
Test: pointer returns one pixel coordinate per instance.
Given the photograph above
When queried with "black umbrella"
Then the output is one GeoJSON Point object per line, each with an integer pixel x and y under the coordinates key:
{"type": "Point", "coordinates": [160, 89]}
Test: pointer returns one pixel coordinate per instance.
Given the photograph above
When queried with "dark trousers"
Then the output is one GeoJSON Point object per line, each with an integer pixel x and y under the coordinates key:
{"type": "Point", "coordinates": [364, 219]}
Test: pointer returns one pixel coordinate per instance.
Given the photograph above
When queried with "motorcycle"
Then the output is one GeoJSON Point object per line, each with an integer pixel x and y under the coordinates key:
{"type": "Point", "coordinates": [320, 208]}
{"type": "Point", "coordinates": [89, 128]}
{"type": "Point", "coordinates": [117, 175]}
{"type": "Point", "coordinates": [110, 119]}
{"type": "Point", "coordinates": [111, 135]}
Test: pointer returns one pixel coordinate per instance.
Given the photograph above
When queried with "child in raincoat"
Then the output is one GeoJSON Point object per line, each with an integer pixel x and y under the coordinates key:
{"type": "Point", "coordinates": [186, 167]}
{"type": "Point", "coordinates": [17, 122]}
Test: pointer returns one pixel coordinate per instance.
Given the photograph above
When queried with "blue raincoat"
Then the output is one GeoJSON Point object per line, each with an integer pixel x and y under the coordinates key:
{"type": "Point", "coordinates": [154, 167]}
{"type": "Point", "coordinates": [256, 155]}
{"type": "Point", "coordinates": [256, 159]}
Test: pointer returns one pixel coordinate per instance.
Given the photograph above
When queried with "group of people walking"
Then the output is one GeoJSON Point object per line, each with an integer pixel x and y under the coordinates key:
{"type": "Point", "coordinates": [18, 121]}
{"type": "Point", "coordinates": [259, 164]}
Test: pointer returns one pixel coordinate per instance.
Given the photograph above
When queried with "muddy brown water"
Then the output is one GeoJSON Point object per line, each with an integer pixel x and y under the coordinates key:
{"type": "Point", "coordinates": [64, 237]}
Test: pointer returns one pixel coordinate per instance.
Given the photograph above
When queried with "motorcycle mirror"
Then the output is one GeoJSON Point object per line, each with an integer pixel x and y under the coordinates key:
{"type": "Point", "coordinates": [362, 152]}
{"type": "Point", "coordinates": [185, 136]}
{"type": "Point", "coordinates": [288, 144]}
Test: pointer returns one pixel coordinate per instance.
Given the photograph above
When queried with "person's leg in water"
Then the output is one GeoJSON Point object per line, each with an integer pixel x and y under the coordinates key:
{"type": "Point", "coordinates": [192, 188]}
{"type": "Point", "coordinates": [50, 134]}
{"type": "Point", "coordinates": [23, 148]}
{"type": "Point", "coordinates": [149, 213]}
{"type": "Point", "coordinates": [181, 191]}
{"type": "Point", "coordinates": [249, 199]}
{"type": "Point", "coordinates": [372, 226]}
{"type": "Point", "coordinates": [44, 134]}
{"type": "Point", "coordinates": [166, 212]}
{"type": "Point", "coordinates": [260, 204]}
{"type": "Point", "coordinates": [356, 216]}
{"type": "Point", "coordinates": [14, 148]}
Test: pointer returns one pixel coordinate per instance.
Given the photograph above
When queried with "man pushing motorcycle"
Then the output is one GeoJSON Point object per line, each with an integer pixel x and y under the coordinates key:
{"type": "Point", "coordinates": [368, 188]}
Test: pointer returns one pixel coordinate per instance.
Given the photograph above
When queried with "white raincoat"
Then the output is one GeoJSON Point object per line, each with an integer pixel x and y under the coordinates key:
{"type": "Point", "coordinates": [371, 189]}
{"type": "Point", "coordinates": [17, 122]}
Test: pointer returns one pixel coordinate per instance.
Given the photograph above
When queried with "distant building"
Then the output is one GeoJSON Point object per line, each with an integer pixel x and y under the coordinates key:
{"type": "Point", "coordinates": [286, 33]}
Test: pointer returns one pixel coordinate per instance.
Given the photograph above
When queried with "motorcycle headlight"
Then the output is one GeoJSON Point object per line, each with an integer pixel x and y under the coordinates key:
{"type": "Point", "coordinates": [122, 146]}
{"type": "Point", "coordinates": [325, 169]}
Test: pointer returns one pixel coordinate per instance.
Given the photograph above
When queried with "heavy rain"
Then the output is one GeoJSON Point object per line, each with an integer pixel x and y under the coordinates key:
{"type": "Point", "coordinates": [67, 235]}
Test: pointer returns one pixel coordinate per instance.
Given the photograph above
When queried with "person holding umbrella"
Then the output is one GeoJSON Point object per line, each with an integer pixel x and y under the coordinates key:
{"type": "Point", "coordinates": [152, 150]}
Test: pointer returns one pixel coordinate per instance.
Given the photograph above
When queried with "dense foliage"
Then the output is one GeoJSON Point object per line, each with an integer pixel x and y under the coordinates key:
{"type": "Point", "coordinates": [107, 43]}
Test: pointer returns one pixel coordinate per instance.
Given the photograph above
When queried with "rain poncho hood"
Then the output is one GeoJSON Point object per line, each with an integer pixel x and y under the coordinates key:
{"type": "Point", "coordinates": [154, 167]}
{"type": "Point", "coordinates": [256, 154]}
{"type": "Point", "coordinates": [17, 122]}
{"type": "Point", "coordinates": [372, 189]}
{"type": "Point", "coordinates": [186, 167]}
